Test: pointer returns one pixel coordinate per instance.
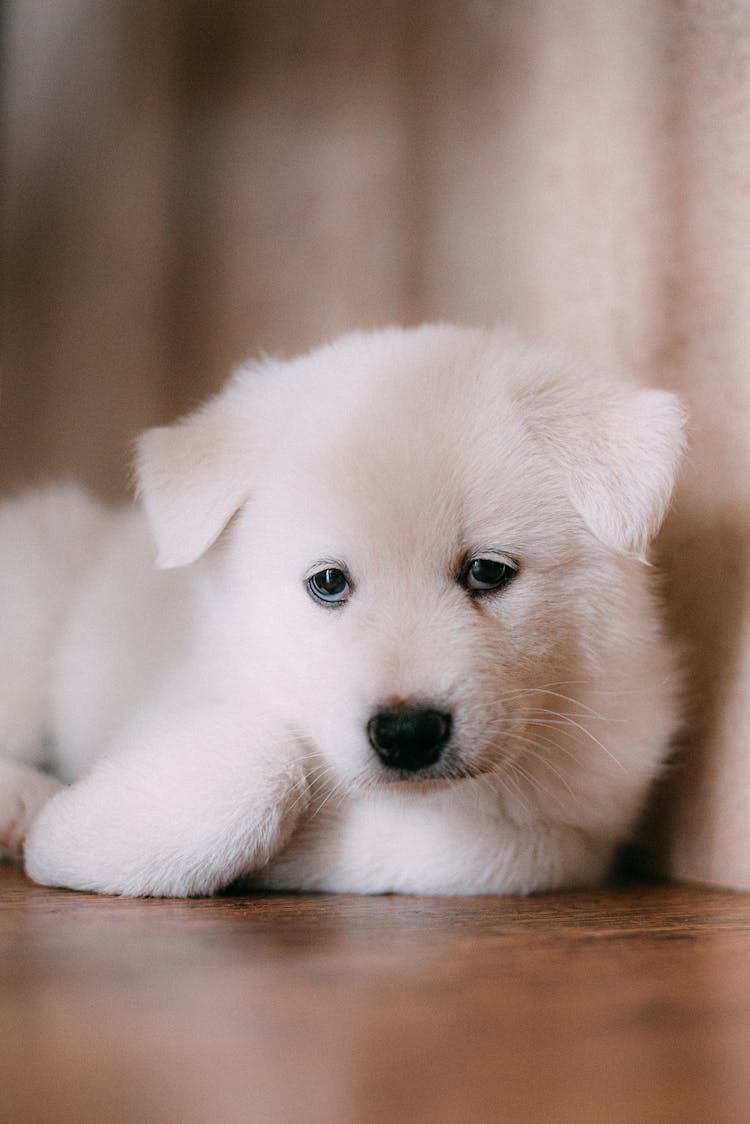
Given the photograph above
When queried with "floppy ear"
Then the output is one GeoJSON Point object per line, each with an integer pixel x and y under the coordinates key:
{"type": "Point", "coordinates": [619, 448]}
{"type": "Point", "coordinates": [193, 476]}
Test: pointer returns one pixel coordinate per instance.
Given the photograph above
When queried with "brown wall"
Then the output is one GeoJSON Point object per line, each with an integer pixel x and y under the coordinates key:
{"type": "Point", "coordinates": [197, 180]}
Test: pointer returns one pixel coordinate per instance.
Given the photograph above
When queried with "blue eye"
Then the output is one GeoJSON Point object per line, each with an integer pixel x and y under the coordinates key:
{"type": "Point", "coordinates": [483, 575]}
{"type": "Point", "coordinates": [330, 585]}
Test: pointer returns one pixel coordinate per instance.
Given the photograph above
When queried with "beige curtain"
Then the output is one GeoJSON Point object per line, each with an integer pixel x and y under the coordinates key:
{"type": "Point", "coordinates": [192, 181]}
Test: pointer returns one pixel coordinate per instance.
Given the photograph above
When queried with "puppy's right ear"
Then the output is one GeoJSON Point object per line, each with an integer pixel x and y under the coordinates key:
{"type": "Point", "coordinates": [193, 476]}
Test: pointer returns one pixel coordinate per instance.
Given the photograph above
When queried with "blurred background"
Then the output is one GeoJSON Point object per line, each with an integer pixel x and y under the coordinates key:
{"type": "Point", "coordinates": [192, 181]}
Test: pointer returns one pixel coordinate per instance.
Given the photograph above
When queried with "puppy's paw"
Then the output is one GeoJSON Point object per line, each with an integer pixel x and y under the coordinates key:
{"type": "Point", "coordinates": [166, 825]}
{"type": "Point", "coordinates": [23, 792]}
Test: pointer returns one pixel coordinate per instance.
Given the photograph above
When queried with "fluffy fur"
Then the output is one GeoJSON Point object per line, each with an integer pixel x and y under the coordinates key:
{"type": "Point", "coordinates": [212, 715]}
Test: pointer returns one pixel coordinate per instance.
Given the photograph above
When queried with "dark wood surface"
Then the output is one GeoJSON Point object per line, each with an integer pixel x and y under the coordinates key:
{"type": "Point", "coordinates": [629, 1004]}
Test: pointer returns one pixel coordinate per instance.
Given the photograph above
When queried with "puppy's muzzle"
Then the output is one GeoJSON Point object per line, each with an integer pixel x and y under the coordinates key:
{"type": "Point", "coordinates": [409, 737]}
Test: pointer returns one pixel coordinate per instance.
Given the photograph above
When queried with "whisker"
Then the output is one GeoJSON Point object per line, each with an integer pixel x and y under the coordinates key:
{"type": "Point", "coordinates": [563, 725]}
{"type": "Point", "coordinates": [587, 733]}
{"type": "Point", "coordinates": [524, 692]}
{"type": "Point", "coordinates": [544, 760]}
{"type": "Point", "coordinates": [533, 782]}
{"type": "Point", "coordinates": [544, 743]}
{"type": "Point", "coordinates": [340, 787]}
{"type": "Point", "coordinates": [584, 716]}
{"type": "Point", "coordinates": [593, 688]}
{"type": "Point", "coordinates": [509, 783]}
{"type": "Point", "coordinates": [312, 781]}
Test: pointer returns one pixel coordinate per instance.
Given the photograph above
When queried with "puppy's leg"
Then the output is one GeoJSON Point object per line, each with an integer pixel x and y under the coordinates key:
{"type": "Point", "coordinates": [23, 791]}
{"type": "Point", "coordinates": [189, 803]}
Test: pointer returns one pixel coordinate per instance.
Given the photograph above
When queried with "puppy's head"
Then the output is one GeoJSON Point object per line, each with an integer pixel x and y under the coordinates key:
{"type": "Point", "coordinates": [433, 528]}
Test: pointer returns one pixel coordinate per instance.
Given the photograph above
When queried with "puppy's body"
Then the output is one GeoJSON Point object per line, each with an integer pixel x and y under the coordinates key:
{"type": "Point", "coordinates": [233, 709]}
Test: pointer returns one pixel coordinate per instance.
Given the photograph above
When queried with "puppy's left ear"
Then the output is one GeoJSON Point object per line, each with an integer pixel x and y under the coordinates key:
{"type": "Point", "coordinates": [194, 475]}
{"type": "Point", "coordinates": [618, 446]}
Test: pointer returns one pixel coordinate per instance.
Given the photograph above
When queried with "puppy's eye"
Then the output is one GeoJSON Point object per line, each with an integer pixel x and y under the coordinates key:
{"type": "Point", "coordinates": [483, 575]}
{"type": "Point", "coordinates": [330, 585]}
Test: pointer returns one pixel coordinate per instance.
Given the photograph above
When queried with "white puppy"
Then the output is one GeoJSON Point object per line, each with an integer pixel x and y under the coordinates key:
{"type": "Point", "coordinates": [401, 638]}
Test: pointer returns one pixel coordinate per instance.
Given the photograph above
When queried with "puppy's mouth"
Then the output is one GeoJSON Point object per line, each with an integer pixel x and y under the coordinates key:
{"type": "Point", "coordinates": [444, 772]}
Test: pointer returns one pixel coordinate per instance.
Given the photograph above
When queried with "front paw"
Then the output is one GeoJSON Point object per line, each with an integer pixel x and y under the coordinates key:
{"type": "Point", "coordinates": [23, 792]}
{"type": "Point", "coordinates": [162, 831]}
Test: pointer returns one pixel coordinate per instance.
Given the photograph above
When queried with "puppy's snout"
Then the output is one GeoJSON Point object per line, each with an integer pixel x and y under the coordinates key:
{"type": "Point", "coordinates": [409, 737]}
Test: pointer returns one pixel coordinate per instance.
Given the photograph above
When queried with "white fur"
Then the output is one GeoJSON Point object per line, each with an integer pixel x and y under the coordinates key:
{"type": "Point", "coordinates": [216, 714]}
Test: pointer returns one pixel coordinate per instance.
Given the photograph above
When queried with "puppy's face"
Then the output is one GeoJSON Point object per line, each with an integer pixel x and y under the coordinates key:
{"type": "Point", "coordinates": [412, 587]}
{"type": "Point", "coordinates": [426, 553]}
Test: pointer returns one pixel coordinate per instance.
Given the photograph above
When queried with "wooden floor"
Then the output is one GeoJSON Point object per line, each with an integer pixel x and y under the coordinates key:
{"type": "Point", "coordinates": [631, 1004]}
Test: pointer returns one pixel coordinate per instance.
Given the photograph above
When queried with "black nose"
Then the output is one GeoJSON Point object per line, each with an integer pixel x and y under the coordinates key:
{"type": "Point", "coordinates": [409, 737]}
